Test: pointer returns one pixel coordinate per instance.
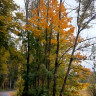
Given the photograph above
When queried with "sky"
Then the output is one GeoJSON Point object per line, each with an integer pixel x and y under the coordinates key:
{"type": "Point", "coordinates": [87, 33]}
{"type": "Point", "coordinates": [20, 3]}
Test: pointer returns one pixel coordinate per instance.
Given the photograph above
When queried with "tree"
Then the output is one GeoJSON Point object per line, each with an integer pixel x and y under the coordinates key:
{"type": "Point", "coordinates": [26, 88]}
{"type": "Point", "coordinates": [7, 25]}
{"type": "Point", "coordinates": [92, 79]}
{"type": "Point", "coordinates": [82, 11]}
{"type": "Point", "coordinates": [49, 21]}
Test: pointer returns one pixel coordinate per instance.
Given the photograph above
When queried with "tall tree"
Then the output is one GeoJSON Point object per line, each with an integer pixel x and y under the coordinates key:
{"type": "Point", "coordinates": [26, 88]}
{"type": "Point", "coordinates": [57, 53]}
{"type": "Point", "coordinates": [82, 24]}
{"type": "Point", "coordinates": [7, 24]}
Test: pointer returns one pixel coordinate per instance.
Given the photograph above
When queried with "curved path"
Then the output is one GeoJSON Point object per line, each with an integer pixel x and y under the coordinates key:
{"type": "Point", "coordinates": [5, 93]}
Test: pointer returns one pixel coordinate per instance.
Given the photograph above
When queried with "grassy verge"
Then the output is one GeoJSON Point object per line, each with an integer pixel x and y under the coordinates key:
{"type": "Point", "coordinates": [5, 90]}
{"type": "Point", "coordinates": [12, 93]}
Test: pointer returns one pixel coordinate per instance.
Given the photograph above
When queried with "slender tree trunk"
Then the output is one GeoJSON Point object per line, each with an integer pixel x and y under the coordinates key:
{"type": "Point", "coordinates": [94, 88]}
{"type": "Point", "coordinates": [35, 82]}
{"type": "Point", "coordinates": [46, 48]}
{"type": "Point", "coordinates": [37, 62]}
{"type": "Point", "coordinates": [26, 89]}
{"type": "Point", "coordinates": [69, 66]}
{"type": "Point", "coordinates": [71, 59]}
{"type": "Point", "coordinates": [56, 61]}
{"type": "Point", "coordinates": [38, 78]}
{"type": "Point", "coordinates": [3, 86]}
{"type": "Point", "coordinates": [48, 81]}
{"type": "Point", "coordinates": [56, 67]}
{"type": "Point", "coordinates": [38, 66]}
{"type": "Point", "coordinates": [37, 53]}
{"type": "Point", "coordinates": [10, 83]}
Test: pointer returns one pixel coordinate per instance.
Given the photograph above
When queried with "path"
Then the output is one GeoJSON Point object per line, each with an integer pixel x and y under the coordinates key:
{"type": "Point", "coordinates": [5, 93]}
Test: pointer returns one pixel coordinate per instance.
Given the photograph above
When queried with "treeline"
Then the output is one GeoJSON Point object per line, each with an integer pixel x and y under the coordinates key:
{"type": "Point", "coordinates": [40, 58]}
{"type": "Point", "coordinates": [9, 55]}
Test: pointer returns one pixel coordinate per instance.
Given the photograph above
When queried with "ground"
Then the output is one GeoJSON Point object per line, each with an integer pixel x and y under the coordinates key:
{"type": "Point", "coordinates": [5, 93]}
{"type": "Point", "coordinates": [84, 93]}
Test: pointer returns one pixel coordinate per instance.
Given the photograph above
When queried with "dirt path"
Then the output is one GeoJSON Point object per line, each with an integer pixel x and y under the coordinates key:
{"type": "Point", "coordinates": [84, 93]}
{"type": "Point", "coordinates": [5, 93]}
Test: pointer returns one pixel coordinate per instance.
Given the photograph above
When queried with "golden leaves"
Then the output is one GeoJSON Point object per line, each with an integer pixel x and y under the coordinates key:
{"type": "Point", "coordinates": [16, 32]}
{"type": "Point", "coordinates": [36, 32]}
{"type": "Point", "coordinates": [9, 19]}
{"type": "Point", "coordinates": [53, 41]}
{"type": "Point", "coordinates": [27, 27]}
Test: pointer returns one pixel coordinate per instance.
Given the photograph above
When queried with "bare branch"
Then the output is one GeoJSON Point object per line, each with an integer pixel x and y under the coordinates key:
{"type": "Point", "coordinates": [84, 47]}
{"type": "Point", "coordinates": [72, 47]}
{"type": "Point", "coordinates": [93, 17]}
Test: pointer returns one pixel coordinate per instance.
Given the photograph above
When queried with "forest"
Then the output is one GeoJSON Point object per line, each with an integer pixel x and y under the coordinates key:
{"type": "Point", "coordinates": [42, 51]}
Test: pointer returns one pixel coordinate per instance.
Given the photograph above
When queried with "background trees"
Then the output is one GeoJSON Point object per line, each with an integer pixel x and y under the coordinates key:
{"type": "Point", "coordinates": [10, 55]}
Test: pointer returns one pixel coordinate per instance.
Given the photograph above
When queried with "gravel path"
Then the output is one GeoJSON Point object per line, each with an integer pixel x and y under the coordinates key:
{"type": "Point", "coordinates": [5, 93]}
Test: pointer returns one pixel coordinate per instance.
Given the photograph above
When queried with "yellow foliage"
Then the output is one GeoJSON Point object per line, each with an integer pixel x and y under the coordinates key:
{"type": "Point", "coordinates": [84, 85]}
{"type": "Point", "coordinates": [27, 27]}
{"type": "Point", "coordinates": [53, 41]}
{"type": "Point", "coordinates": [9, 19]}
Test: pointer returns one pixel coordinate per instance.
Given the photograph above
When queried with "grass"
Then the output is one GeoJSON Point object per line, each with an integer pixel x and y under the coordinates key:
{"type": "Point", "coordinates": [12, 93]}
{"type": "Point", "coordinates": [5, 90]}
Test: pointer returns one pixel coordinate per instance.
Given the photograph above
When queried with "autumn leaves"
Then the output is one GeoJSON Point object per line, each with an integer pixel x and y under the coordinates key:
{"type": "Point", "coordinates": [54, 34]}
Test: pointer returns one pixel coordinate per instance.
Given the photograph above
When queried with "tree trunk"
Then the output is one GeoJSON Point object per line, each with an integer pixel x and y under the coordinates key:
{"type": "Point", "coordinates": [46, 49]}
{"type": "Point", "coordinates": [56, 61]}
{"type": "Point", "coordinates": [55, 78]}
{"type": "Point", "coordinates": [10, 83]}
{"type": "Point", "coordinates": [48, 80]}
{"type": "Point", "coordinates": [71, 59]}
{"type": "Point", "coordinates": [26, 89]}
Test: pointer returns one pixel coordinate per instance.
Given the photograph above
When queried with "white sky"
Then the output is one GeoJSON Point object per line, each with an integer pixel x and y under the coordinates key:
{"type": "Point", "coordinates": [88, 33]}
{"type": "Point", "coordinates": [20, 3]}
